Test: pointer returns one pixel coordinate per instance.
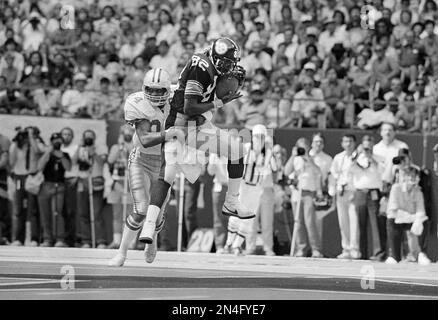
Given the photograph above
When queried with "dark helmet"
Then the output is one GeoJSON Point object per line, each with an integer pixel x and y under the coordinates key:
{"type": "Point", "coordinates": [224, 53]}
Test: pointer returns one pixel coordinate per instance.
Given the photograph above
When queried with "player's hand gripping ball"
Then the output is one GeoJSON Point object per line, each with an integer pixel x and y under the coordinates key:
{"type": "Point", "coordinates": [226, 85]}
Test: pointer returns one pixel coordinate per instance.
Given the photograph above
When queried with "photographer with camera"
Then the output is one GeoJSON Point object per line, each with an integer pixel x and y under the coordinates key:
{"type": "Point", "coordinates": [344, 195]}
{"type": "Point", "coordinates": [305, 175]}
{"type": "Point", "coordinates": [54, 163]}
{"type": "Point", "coordinates": [119, 195]}
{"type": "Point", "coordinates": [406, 212]}
{"type": "Point", "coordinates": [71, 183]}
{"type": "Point", "coordinates": [366, 172]}
{"type": "Point", "coordinates": [91, 159]}
{"type": "Point", "coordinates": [24, 152]}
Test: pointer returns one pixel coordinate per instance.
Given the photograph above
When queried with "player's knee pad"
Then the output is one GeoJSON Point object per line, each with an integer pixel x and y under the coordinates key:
{"type": "Point", "coordinates": [233, 224]}
{"type": "Point", "coordinates": [135, 221]}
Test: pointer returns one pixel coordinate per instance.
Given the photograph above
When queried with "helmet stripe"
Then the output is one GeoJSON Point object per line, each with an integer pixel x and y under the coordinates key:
{"type": "Point", "coordinates": [153, 77]}
{"type": "Point", "coordinates": [159, 74]}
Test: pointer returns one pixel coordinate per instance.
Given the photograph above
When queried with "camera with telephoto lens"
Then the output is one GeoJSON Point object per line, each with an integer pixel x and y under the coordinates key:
{"type": "Point", "coordinates": [301, 151]}
{"type": "Point", "coordinates": [88, 142]}
{"type": "Point", "coordinates": [398, 160]}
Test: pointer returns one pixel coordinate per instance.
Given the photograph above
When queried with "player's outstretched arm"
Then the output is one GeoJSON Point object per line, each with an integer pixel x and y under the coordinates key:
{"type": "Point", "coordinates": [149, 137]}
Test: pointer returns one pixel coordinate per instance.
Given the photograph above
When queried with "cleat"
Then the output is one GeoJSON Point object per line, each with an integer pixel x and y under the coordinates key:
{"type": "Point", "coordinates": [238, 251]}
{"type": "Point", "coordinates": [117, 261]}
{"type": "Point", "coordinates": [147, 232]}
{"type": "Point", "coordinates": [233, 208]}
{"type": "Point", "coordinates": [150, 250]}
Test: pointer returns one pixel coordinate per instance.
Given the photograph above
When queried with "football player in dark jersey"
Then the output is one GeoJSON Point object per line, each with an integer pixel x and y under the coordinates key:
{"type": "Point", "coordinates": [192, 108]}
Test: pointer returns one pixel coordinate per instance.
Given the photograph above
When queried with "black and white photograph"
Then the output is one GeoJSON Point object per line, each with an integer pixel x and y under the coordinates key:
{"type": "Point", "coordinates": [218, 156]}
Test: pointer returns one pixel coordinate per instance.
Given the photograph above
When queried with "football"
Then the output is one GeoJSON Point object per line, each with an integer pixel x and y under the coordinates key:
{"type": "Point", "coordinates": [226, 85]}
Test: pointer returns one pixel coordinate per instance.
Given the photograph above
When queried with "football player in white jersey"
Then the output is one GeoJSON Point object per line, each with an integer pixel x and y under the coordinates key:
{"type": "Point", "coordinates": [258, 165]}
{"type": "Point", "coordinates": [146, 111]}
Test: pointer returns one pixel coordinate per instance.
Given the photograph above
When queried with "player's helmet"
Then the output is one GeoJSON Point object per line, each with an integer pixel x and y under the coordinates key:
{"type": "Point", "coordinates": [156, 86]}
{"type": "Point", "coordinates": [224, 53]}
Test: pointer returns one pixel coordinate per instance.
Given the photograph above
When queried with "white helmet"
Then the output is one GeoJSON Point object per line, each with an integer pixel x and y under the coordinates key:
{"type": "Point", "coordinates": [157, 78]}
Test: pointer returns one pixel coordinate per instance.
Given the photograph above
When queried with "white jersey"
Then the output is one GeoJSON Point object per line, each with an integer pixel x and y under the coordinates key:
{"type": "Point", "coordinates": [138, 108]}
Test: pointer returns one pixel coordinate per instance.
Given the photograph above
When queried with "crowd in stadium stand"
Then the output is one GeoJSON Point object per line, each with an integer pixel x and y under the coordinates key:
{"type": "Point", "coordinates": [325, 64]}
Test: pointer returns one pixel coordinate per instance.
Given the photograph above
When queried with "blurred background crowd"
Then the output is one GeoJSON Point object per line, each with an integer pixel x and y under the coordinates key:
{"type": "Point", "coordinates": [325, 64]}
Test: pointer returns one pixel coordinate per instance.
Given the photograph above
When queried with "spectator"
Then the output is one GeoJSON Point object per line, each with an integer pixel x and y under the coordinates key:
{"type": "Point", "coordinates": [108, 26]}
{"type": "Point", "coordinates": [321, 159]}
{"type": "Point", "coordinates": [254, 106]}
{"type": "Point", "coordinates": [48, 99]}
{"type": "Point", "coordinates": [309, 104]}
{"type": "Point", "coordinates": [179, 46]}
{"type": "Point", "coordinates": [201, 41]}
{"type": "Point", "coordinates": [360, 78]}
{"type": "Point", "coordinates": [16, 103]}
{"type": "Point", "coordinates": [11, 74]}
{"type": "Point", "coordinates": [409, 118]}
{"type": "Point", "coordinates": [383, 69]}
{"type": "Point", "coordinates": [406, 213]}
{"type": "Point", "coordinates": [141, 22]}
{"type": "Point", "coordinates": [356, 34]}
{"type": "Point", "coordinates": [131, 49]}
{"type": "Point", "coordinates": [430, 39]}
{"type": "Point", "coordinates": [69, 212]}
{"type": "Point", "coordinates": [59, 73]}
{"type": "Point", "coordinates": [217, 167]}
{"type": "Point", "coordinates": [366, 172]}
{"type": "Point", "coordinates": [11, 49]}
{"type": "Point", "coordinates": [150, 49]}
{"type": "Point", "coordinates": [24, 153]}
{"type": "Point", "coordinates": [335, 91]}
{"type": "Point", "coordinates": [104, 68]}
{"type": "Point", "coordinates": [167, 25]}
{"type": "Point", "coordinates": [344, 195]}
{"type": "Point", "coordinates": [75, 101]}
{"type": "Point", "coordinates": [53, 163]}
{"type": "Point", "coordinates": [134, 75]}
{"type": "Point", "coordinates": [164, 58]}
{"type": "Point", "coordinates": [33, 32]}
{"type": "Point", "coordinates": [302, 56]}
{"type": "Point", "coordinates": [388, 147]}
{"type": "Point", "coordinates": [119, 195]}
{"type": "Point", "coordinates": [411, 57]}
{"type": "Point", "coordinates": [85, 52]}
{"type": "Point", "coordinates": [257, 59]}
{"type": "Point", "coordinates": [90, 158]}
{"type": "Point", "coordinates": [5, 216]}
{"type": "Point", "coordinates": [105, 104]}
{"type": "Point", "coordinates": [329, 37]}
{"type": "Point", "coordinates": [207, 14]}
{"type": "Point", "coordinates": [283, 94]}
{"type": "Point", "coordinates": [307, 176]}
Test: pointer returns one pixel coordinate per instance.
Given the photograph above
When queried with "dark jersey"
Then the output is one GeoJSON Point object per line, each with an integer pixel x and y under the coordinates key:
{"type": "Point", "coordinates": [197, 80]}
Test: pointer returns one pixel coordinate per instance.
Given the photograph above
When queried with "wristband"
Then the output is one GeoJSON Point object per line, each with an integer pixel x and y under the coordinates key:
{"type": "Point", "coordinates": [218, 103]}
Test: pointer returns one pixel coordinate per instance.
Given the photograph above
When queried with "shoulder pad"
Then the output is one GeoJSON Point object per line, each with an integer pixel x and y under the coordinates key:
{"type": "Point", "coordinates": [137, 108]}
